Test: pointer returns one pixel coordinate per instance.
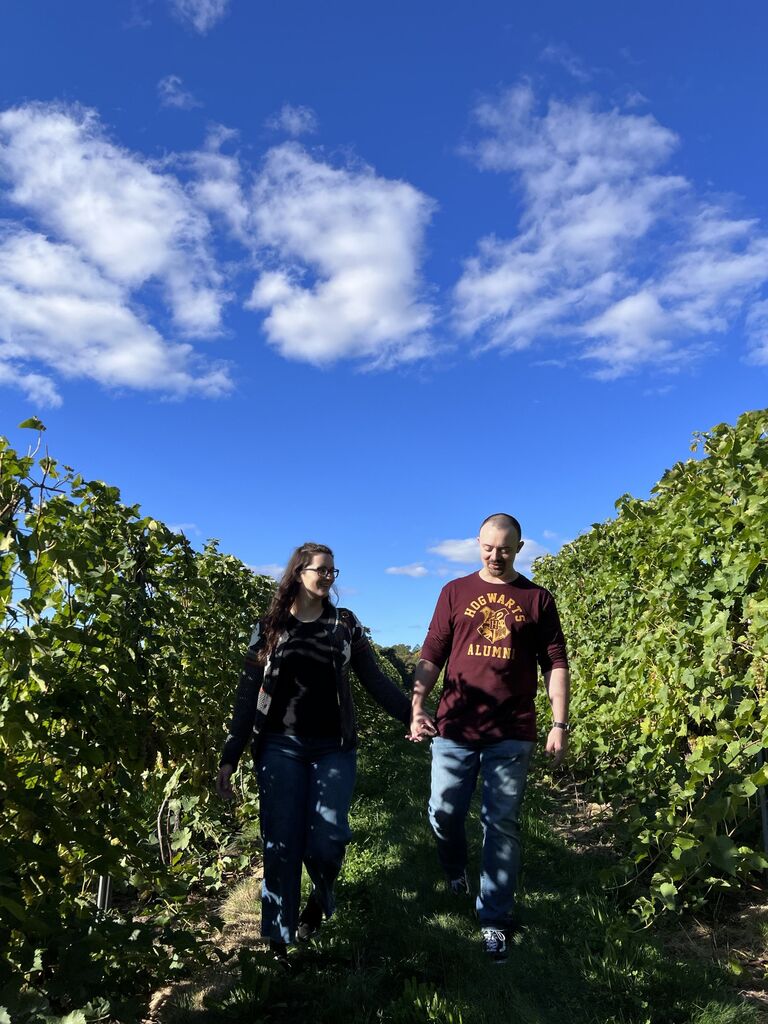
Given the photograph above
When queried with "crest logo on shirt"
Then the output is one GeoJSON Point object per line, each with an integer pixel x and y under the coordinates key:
{"type": "Point", "coordinates": [494, 625]}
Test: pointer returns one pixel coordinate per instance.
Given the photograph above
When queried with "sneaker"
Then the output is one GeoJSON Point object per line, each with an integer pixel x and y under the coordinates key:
{"type": "Point", "coordinates": [310, 919]}
{"type": "Point", "coordinates": [494, 943]}
{"type": "Point", "coordinates": [459, 886]}
{"type": "Point", "coordinates": [279, 953]}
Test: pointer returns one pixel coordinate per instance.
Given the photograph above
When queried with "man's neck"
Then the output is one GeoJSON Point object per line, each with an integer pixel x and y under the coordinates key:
{"type": "Point", "coordinates": [508, 577]}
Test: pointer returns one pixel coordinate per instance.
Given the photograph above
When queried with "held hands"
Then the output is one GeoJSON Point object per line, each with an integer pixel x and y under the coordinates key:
{"type": "Point", "coordinates": [224, 782]}
{"type": "Point", "coordinates": [557, 746]}
{"type": "Point", "coordinates": [422, 726]}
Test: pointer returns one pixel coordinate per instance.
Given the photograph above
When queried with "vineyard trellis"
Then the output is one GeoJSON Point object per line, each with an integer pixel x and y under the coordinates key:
{"type": "Point", "coordinates": [119, 643]}
{"type": "Point", "coordinates": [666, 610]}
{"type": "Point", "coordinates": [118, 646]}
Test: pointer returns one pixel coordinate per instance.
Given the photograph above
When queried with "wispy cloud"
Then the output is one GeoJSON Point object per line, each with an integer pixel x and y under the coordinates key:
{"type": "Point", "coordinates": [562, 55]}
{"type": "Point", "coordinates": [416, 570]}
{"type": "Point", "coordinates": [201, 15]}
{"type": "Point", "coordinates": [58, 311]}
{"type": "Point", "coordinates": [39, 389]}
{"type": "Point", "coordinates": [268, 569]}
{"type": "Point", "coordinates": [173, 94]}
{"type": "Point", "coordinates": [184, 528]}
{"type": "Point", "coordinates": [339, 251]}
{"type": "Point", "coordinates": [294, 121]}
{"type": "Point", "coordinates": [108, 223]}
{"type": "Point", "coordinates": [346, 250]}
{"type": "Point", "coordinates": [531, 551]}
{"type": "Point", "coordinates": [612, 252]}
{"type": "Point", "coordinates": [128, 219]}
{"type": "Point", "coordinates": [219, 184]}
{"type": "Point", "coordinates": [757, 327]}
{"type": "Point", "coordinates": [466, 551]}
{"type": "Point", "coordinates": [635, 99]}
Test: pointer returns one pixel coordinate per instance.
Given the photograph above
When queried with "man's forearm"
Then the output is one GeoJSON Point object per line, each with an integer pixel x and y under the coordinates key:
{"type": "Point", "coordinates": [558, 683]}
{"type": "Point", "coordinates": [424, 679]}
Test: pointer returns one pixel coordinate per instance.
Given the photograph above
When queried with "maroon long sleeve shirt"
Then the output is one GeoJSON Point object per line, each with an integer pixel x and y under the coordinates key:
{"type": "Point", "coordinates": [493, 637]}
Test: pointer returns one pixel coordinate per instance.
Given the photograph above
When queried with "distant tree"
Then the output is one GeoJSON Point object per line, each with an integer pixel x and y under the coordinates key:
{"type": "Point", "coordinates": [403, 658]}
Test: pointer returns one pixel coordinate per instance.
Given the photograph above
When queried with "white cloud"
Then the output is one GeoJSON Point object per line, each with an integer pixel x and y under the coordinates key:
{"type": "Point", "coordinates": [464, 551]}
{"type": "Point", "coordinates": [184, 528]}
{"type": "Point", "coordinates": [294, 121]}
{"type": "Point", "coordinates": [268, 569]}
{"type": "Point", "coordinates": [339, 253]}
{"type": "Point", "coordinates": [58, 311]}
{"type": "Point", "coordinates": [467, 552]}
{"type": "Point", "coordinates": [416, 569]}
{"type": "Point", "coordinates": [347, 247]}
{"type": "Point", "coordinates": [611, 252]}
{"type": "Point", "coordinates": [628, 332]}
{"type": "Point", "coordinates": [757, 326]}
{"type": "Point", "coordinates": [202, 15]}
{"type": "Point", "coordinates": [531, 551]}
{"type": "Point", "coordinates": [132, 222]}
{"type": "Point", "coordinates": [108, 225]}
{"type": "Point", "coordinates": [173, 94]}
{"type": "Point", "coordinates": [635, 99]}
{"type": "Point", "coordinates": [559, 53]}
{"type": "Point", "coordinates": [218, 185]}
{"type": "Point", "coordinates": [39, 389]}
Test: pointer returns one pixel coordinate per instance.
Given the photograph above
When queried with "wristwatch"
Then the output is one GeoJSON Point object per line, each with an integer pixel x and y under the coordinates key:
{"type": "Point", "coordinates": [561, 725]}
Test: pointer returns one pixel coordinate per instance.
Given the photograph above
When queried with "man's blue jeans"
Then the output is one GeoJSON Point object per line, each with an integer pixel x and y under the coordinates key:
{"type": "Point", "coordinates": [305, 790]}
{"type": "Point", "coordinates": [503, 768]}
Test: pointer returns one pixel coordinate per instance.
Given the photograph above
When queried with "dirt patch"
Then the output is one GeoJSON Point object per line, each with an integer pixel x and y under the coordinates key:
{"type": "Point", "coordinates": [585, 826]}
{"type": "Point", "coordinates": [242, 917]}
{"type": "Point", "coordinates": [734, 935]}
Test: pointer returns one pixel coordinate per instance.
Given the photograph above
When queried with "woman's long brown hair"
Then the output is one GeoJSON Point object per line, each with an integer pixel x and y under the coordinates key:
{"type": "Point", "coordinates": [276, 618]}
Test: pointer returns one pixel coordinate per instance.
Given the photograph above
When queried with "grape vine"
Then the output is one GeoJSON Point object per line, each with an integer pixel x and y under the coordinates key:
{"type": "Point", "coordinates": [666, 611]}
{"type": "Point", "coordinates": [119, 644]}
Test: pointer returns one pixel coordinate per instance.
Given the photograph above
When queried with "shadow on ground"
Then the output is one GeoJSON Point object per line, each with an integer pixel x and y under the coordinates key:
{"type": "Point", "coordinates": [400, 949]}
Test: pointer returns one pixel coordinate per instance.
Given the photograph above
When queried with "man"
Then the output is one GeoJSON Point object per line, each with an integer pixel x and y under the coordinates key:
{"type": "Point", "coordinates": [490, 629]}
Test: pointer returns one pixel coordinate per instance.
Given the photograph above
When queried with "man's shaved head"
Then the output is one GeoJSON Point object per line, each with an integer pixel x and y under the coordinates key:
{"type": "Point", "coordinates": [503, 521]}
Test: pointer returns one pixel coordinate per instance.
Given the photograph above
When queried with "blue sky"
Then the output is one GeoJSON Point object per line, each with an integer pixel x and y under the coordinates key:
{"type": "Point", "coordinates": [364, 274]}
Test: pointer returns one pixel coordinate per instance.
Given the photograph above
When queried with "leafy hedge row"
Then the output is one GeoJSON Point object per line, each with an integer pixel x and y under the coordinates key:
{"type": "Point", "coordinates": [119, 645]}
{"type": "Point", "coordinates": [666, 611]}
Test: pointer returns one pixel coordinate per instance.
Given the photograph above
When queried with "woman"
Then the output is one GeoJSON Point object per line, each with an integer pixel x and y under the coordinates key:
{"type": "Point", "coordinates": [294, 703]}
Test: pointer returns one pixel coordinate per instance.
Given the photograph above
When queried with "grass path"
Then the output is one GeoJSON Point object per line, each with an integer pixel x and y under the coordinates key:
{"type": "Point", "coordinates": [401, 950]}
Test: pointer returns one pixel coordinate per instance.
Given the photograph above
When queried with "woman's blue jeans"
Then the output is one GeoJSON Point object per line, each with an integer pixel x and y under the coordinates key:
{"type": "Point", "coordinates": [503, 768]}
{"type": "Point", "coordinates": [305, 790]}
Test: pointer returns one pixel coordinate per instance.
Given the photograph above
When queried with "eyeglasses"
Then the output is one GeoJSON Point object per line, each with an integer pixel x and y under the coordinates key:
{"type": "Point", "coordinates": [322, 571]}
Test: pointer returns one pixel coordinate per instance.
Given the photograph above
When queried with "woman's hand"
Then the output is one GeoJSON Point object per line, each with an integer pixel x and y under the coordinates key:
{"type": "Point", "coordinates": [422, 726]}
{"type": "Point", "coordinates": [224, 783]}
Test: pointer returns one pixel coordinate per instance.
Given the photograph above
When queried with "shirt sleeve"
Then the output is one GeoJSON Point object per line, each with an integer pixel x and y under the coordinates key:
{"type": "Point", "coordinates": [550, 642]}
{"type": "Point", "coordinates": [246, 698]}
{"type": "Point", "coordinates": [356, 629]}
{"type": "Point", "coordinates": [367, 670]}
{"type": "Point", "coordinates": [437, 645]}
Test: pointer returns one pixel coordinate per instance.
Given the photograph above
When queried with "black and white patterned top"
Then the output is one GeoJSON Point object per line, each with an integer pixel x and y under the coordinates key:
{"type": "Point", "coordinates": [350, 650]}
{"type": "Point", "coordinates": [305, 700]}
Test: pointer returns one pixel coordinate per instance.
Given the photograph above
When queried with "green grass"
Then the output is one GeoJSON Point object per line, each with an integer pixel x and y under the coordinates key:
{"type": "Point", "coordinates": [400, 949]}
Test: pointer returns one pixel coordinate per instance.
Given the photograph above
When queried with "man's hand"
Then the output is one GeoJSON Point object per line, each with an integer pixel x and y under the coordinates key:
{"type": "Point", "coordinates": [422, 726]}
{"type": "Point", "coordinates": [557, 746]}
{"type": "Point", "coordinates": [224, 782]}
